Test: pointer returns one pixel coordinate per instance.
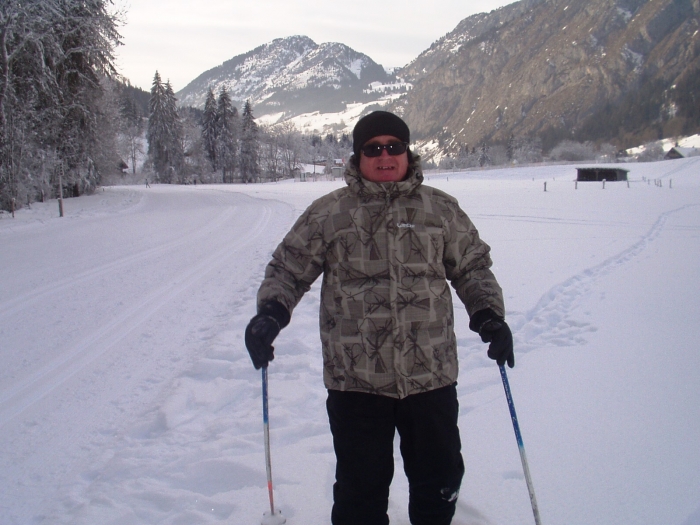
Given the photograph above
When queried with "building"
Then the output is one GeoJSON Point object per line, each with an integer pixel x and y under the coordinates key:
{"type": "Point", "coordinates": [680, 153]}
{"type": "Point", "coordinates": [599, 174]}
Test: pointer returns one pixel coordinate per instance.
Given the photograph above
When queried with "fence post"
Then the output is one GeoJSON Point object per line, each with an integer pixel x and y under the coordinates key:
{"type": "Point", "coordinates": [545, 185]}
{"type": "Point", "coordinates": [60, 191]}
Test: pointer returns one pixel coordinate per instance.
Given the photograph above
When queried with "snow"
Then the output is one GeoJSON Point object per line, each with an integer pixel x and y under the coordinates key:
{"type": "Point", "coordinates": [273, 519]}
{"type": "Point", "coordinates": [691, 142]}
{"type": "Point", "coordinates": [355, 66]}
{"type": "Point", "coordinates": [127, 395]}
{"type": "Point", "coordinates": [340, 122]}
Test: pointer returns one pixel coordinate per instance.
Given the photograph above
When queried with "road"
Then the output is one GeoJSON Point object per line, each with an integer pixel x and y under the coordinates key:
{"type": "Point", "coordinates": [86, 303]}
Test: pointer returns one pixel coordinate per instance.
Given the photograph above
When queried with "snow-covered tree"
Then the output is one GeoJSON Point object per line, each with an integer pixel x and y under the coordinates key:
{"type": "Point", "coordinates": [53, 57]}
{"type": "Point", "coordinates": [484, 157]}
{"type": "Point", "coordinates": [164, 131]}
{"type": "Point", "coordinates": [157, 134]}
{"type": "Point", "coordinates": [196, 165]}
{"type": "Point", "coordinates": [131, 130]}
{"type": "Point", "coordinates": [527, 150]}
{"type": "Point", "coordinates": [291, 145]}
{"type": "Point", "coordinates": [227, 135]}
{"type": "Point", "coordinates": [271, 159]}
{"type": "Point", "coordinates": [651, 152]}
{"type": "Point", "coordinates": [570, 150]}
{"type": "Point", "coordinates": [249, 163]}
{"type": "Point", "coordinates": [209, 129]}
{"type": "Point", "coordinates": [105, 148]}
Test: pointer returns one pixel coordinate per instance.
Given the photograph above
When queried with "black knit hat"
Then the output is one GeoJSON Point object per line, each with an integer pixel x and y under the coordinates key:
{"type": "Point", "coordinates": [376, 124]}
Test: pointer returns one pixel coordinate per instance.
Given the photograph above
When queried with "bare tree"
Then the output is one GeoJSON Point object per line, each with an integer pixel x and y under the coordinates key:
{"type": "Point", "coordinates": [291, 147]}
{"type": "Point", "coordinates": [131, 145]}
{"type": "Point", "coordinates": [271, 157]}
{"type": "Point", "coordinates": [570, 150]}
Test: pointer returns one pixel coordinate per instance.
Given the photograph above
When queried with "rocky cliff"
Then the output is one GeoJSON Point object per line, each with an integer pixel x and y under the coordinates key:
{"type": "Point", "coordinates": [541, 65]}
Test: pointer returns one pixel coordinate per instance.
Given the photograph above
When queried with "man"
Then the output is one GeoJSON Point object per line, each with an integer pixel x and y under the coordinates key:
{"type": "Point", "coordinates": [387, 247]}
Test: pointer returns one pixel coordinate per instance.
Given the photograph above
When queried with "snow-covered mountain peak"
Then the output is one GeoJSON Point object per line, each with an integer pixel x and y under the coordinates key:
{"type": "Point", "coordinates": [292, 73]}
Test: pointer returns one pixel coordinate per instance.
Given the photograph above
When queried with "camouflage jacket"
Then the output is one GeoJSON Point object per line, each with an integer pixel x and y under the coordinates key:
{"type": "Point", "coordinates": [386, 252]}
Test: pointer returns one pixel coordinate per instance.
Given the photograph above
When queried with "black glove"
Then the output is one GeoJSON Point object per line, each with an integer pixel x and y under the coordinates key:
{"type": "Point", "coordinates": [494, 330]}
{"type": "Point", "coordinates": [262, 330]}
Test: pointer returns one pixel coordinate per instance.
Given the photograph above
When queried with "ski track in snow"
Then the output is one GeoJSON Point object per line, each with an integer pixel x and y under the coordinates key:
{"type": "Point", "coordinates": [34, 388]}
{"type": "Point", "coordinates": [25, 300]}
{"type": "Point", "coordinates": [550, 323]}
{"type": "Point", "coordinates": [194, 454]}
{"type": "Point", "coordinates": [107, 337]}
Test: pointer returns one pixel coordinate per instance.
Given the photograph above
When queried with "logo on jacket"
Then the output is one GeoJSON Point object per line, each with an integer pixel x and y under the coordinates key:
{"type": "Point", "coordinates": [404, 224]}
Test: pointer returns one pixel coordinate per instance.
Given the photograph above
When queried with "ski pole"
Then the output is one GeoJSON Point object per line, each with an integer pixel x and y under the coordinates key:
{"type": "Point", "coordinates": [274, 518]}
{"type": "Point", "coordinates": [266, 426]}
{"type": "Point", "coordinates": [521, 447]}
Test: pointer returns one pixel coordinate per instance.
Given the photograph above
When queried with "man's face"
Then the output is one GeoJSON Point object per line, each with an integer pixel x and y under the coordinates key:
{"type": "Point", "coordinates": [385, 168]}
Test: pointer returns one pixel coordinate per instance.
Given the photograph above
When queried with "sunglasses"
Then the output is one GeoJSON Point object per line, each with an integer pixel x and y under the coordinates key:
{"type": "Point", "coordinates": [393, 149]}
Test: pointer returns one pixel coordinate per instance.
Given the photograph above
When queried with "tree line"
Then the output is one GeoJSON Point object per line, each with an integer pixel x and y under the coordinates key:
{"type": "Point", "coordinates": [56, 57]}
{"type": "Point", "coordinates": [220, 145]}
{"type": "Point", "coordinates": [69, 122]}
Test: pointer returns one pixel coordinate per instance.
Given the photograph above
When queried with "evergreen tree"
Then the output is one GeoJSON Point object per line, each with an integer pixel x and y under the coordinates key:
{"type": "Point", "coordinates": [176, 152]}
{"type": "Point", "coordinates": [510, 148]}
{"type": "Point", "coordinates": [249, 162]}
{"type": "Point", "coordinates": [209, 131]}
{"type": "Point", "coordinates": [227, 124]}
{"type": "Point", "coordinates": [157, 133]}
{"type": "Point", "coordinates": [164, 131]}
{"type": "Point", "coordinates": [130, 111]}
{"type": "Point", "coordinates": [484, 157]}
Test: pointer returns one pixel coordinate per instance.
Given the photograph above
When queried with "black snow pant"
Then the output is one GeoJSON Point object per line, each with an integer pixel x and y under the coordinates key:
{"type": "Point", "coordinates": [363, 436]}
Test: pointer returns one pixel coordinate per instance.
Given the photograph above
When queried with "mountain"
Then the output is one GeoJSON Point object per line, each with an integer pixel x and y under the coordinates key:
{"type": "Point", "coordinates": [623, 70]}
{"type": "Point", "coordinates": [469, 29]}
{"type": "Point", "coordinates": [291, 76]}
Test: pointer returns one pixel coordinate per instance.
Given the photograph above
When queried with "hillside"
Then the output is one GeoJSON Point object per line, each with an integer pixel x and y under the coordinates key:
{"type": "Point", "coordinates": [625, 72]}
{"type": "Point", "coordinates": [552, 68]}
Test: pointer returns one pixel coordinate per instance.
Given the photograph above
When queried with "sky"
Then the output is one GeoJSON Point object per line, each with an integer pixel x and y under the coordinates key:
{"type": "Point", "coordinates": [182, 39]}
{"type": "Point", "coordinates": [127, 395]}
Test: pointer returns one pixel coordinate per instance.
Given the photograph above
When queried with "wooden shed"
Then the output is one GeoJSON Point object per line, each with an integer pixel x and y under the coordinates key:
{"type": "Point", "coordinates": [680, 153]}
{"type": "Point", "coordinates": [598, 174]}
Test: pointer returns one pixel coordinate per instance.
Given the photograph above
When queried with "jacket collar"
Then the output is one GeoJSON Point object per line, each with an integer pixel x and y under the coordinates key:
{"type": "Point", "coordinates": [368, 191]}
